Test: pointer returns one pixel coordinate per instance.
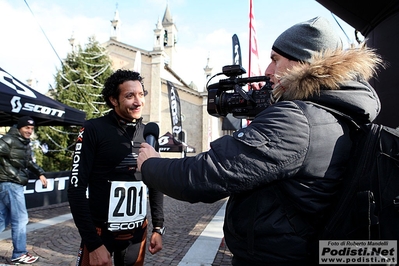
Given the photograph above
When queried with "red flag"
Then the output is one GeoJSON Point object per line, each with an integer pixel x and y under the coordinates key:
{"type": "Point", "coordinates": [254, 67]}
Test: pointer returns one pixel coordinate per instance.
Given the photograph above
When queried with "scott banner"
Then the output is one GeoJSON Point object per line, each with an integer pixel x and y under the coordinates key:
{"type": "Point", "coordinates": [55, 192]}
{"type": "Point", "coordinates": [175, 111]}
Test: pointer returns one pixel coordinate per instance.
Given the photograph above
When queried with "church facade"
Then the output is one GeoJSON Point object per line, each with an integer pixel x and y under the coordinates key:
{"type": "Point", "coordinates": [156, 67]}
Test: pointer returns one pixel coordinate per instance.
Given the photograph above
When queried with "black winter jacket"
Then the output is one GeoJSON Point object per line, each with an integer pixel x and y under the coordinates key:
{"type": "Point", "coordinates": [293, 151]}
{"type": "Point", "coordinates": [16, 158]}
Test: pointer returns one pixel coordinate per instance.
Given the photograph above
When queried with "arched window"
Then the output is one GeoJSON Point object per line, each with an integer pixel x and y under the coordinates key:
{"type": "Point", "coordinates": [165, 38]}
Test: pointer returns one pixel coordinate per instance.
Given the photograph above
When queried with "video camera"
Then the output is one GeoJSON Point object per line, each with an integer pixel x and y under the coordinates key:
{"type": "Point", "coordinates": [242, 104]}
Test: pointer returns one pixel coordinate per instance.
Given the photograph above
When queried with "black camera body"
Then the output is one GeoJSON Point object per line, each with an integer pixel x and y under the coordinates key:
{"type": "Point", "coordinates": [240, 103]}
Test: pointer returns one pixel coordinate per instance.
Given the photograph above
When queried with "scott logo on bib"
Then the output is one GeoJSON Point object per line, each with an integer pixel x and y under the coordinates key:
{"type": "Point", "coordinates": [124, 226]}
{"type": "Point", "coordinates": [127, 205]}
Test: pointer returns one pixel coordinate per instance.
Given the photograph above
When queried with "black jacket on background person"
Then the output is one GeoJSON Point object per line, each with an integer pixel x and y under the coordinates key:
{"type": "Point", "coordinates": [16, 158]}
{"type": "Point", "coordinates": [292, 151]}
{"type": "Point", "coordinates": [106, 153]}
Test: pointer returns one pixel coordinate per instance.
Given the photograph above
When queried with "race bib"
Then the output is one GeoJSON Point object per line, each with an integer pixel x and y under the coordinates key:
{"type": "Point", "coordinates": [127, 205]}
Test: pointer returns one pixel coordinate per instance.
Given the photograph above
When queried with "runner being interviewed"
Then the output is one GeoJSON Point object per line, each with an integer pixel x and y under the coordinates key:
{"type": "Point", "coordinates": [111, 214]}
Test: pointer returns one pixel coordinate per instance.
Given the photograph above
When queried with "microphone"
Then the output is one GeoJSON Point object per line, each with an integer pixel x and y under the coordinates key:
{"type": "Point", "coordinates": [151, 133]}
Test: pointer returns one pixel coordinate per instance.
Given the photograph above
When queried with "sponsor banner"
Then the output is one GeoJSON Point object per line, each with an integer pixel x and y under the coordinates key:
{"type": "Point", "coordinates": [352, 252]}
{"type": "Point", "coordinates": [236, 51]}
{"type": "Point", "coordinates": [175, 111]}
{"type": "Point", "coordinates": [56, 191]}
{"type": "Point", "coordinates": [229, 121]}
{"type": "Point", "coordinates": [168, 143]}
{"type": "Point", "coordinates": [17, 99]}
{"type": "Point", "coordinates": [17, 104]}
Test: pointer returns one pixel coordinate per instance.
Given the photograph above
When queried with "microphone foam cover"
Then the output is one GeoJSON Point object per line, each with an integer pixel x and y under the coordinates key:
{"type": "Point", "coordinates": [151, 129]}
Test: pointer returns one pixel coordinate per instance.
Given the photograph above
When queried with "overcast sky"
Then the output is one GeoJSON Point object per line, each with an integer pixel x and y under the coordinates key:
{"type": "Point", "coordinates": [205, 28]}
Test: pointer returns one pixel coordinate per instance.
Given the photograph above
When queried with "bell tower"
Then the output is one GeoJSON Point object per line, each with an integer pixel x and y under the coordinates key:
{"type": "Point", "coordinates": [169, 35]}
{"type": "Point", "coordinates": [115, 26]}
{"type": "Point", "coordinates": [159, 35]}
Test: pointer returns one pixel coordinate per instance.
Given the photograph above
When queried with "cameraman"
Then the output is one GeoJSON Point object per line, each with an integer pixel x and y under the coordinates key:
{"type": "Point", "coordinates": [291, 156]}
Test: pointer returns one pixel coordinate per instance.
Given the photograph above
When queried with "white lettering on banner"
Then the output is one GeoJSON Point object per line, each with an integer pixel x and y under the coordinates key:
{"type": "Point", "coordinates": [127, 205]}
{"type": "Point", "coordinates": [15, 85]}
{"type": "Point", "coordinates": [174, 109]}
{"type": "Point", "coordinates": [236, 54]}
{"type": "Point", "coordinates": [76, 159]}
{"type": "Point", "coordinates": [173, 106]}
{"type": "Point", "coordinates": [31, 107]}
{"type": "Point", "coordinates": [51, 185]}
{"type": "Point", "coordinates": [163, 140]}
{"type": "Point", "coordinates": [176, 129]}
{"type": "Point", "coordinates": [43, 109]}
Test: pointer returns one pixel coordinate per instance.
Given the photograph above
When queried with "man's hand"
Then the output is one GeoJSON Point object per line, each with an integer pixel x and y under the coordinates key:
{"type": "Point", "coordinates": [100, 257]}
{"type": "Point", "coordinates": [257, 86]}
{"type": "Point", "coordinates": [155, 243]}
{"type": "Point", "coordinates": [146, 151]}
{"type": "Point", "coordinates": [44, 180]}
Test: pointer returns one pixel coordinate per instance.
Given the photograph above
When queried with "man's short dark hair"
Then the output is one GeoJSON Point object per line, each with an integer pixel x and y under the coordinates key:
{"type": "Point", "coordinates": [111, 86]}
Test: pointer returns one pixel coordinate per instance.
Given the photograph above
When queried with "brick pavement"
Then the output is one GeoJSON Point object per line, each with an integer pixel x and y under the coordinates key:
{"type": "Point", "coordinates": [58, 244]}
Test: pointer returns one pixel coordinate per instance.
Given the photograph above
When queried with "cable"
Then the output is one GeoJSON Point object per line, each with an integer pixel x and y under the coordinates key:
{"type": "Point", "coordinates": [59, 58]}
{"type": "Point", "coordinates": [44, 32]}
{"type": "Point", "coordinates": [347, 38]}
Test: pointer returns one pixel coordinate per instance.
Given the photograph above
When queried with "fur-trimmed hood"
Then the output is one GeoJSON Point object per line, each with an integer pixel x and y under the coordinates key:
{"type": "Point", "coordinates": [337, 79]}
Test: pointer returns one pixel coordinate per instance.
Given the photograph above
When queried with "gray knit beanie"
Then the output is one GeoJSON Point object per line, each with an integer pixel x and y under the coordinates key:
{"type": "Point", "coordinates": [304, 39]}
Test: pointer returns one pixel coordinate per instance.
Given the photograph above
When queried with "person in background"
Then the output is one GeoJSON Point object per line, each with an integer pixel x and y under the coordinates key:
{"type": "Point", "coordinates": [15, 161]}
{"type": "Point", "coordinates": [112, 221]}
{"type": "Point", "coordinates": [281, 171]}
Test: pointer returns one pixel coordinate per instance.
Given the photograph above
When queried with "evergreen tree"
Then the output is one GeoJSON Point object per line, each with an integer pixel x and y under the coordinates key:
{"type": "Point", "coordinates": [78, 84]}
